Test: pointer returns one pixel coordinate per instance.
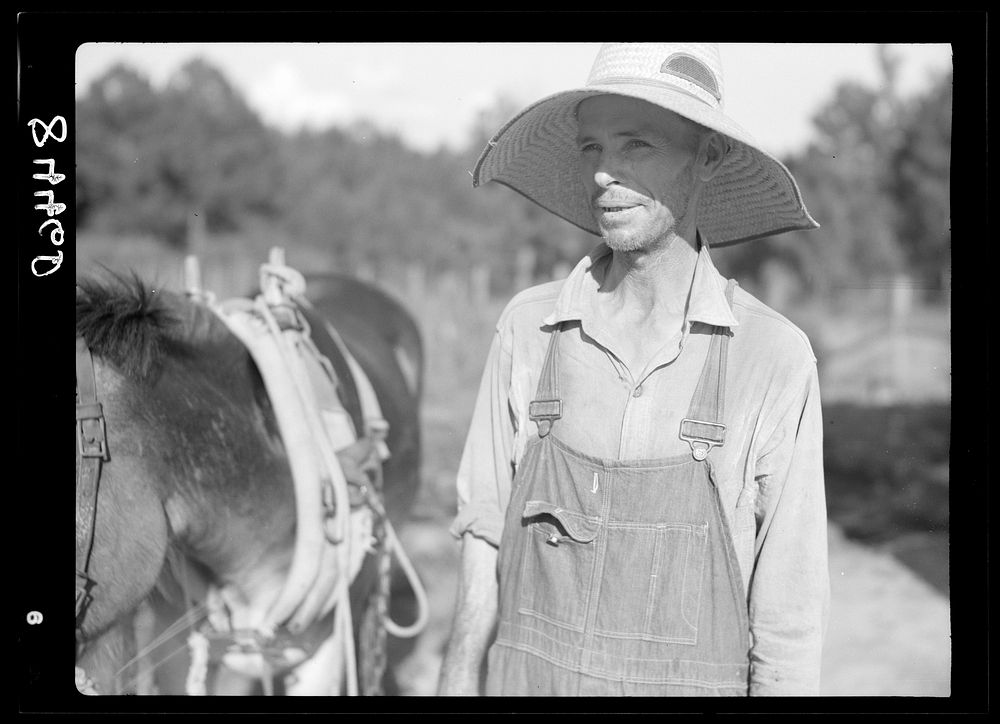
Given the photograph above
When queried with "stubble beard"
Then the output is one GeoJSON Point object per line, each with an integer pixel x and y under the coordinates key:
{"type": "Point", "coordinates": [660, 232]}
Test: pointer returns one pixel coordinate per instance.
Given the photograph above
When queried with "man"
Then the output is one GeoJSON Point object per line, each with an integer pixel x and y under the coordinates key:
{"type": "Point", "coordinates": [641, 501]}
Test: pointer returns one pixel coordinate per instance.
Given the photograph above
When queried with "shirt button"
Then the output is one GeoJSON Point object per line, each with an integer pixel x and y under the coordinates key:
{"type": "Point", "coordinates": [637, 392]}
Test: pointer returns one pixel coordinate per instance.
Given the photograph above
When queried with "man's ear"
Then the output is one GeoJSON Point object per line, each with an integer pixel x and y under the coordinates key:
{"type": "Point", "coordinates": [714, 148]}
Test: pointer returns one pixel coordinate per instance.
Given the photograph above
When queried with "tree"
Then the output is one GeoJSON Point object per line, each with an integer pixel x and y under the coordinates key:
{"type": "Point", "coordinates": [215, 156]}
{"type": "Point", "coordinates": [922, 169]}
{"type": "Point", "coordinates": [114, 122]}
{"type": "Point", "coordinates": [876, 178]}
{"type": "Point", "coordinates": [177, 163]}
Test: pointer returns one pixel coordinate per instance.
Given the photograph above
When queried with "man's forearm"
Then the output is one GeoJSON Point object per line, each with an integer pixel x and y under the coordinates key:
{"type": "Point", "coordinates": [790, 590]}
{"type": "Point", "coordinates": [474, 622]}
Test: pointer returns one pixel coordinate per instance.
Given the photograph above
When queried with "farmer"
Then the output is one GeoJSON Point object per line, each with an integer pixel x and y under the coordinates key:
{"type": "Point", "coordinates": [641, 500]}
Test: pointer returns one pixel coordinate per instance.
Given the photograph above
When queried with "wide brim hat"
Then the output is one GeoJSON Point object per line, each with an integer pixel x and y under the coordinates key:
{"type": "Point", "coordinates": [753, 194]}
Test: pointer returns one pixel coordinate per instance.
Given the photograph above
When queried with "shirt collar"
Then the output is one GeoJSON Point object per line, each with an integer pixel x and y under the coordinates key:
{"type": "Point", "coordinates": [707, 303]}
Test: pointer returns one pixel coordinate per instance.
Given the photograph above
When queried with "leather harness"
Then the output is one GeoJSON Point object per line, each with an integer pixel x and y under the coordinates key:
{"type": "Point", "coordinates": [92, 446]}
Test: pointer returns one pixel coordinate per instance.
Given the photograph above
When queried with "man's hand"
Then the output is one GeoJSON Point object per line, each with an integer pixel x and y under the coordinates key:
{"type": "Point", "coordinates": [475, 619]}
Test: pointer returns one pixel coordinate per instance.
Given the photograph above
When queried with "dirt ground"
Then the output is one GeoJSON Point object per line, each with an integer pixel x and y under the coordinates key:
{"type": "Point", "coordinates": [889, 630]}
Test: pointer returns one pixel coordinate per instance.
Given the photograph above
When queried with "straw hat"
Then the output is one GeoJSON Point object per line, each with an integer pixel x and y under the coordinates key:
{"type": "Point", "coordinates": [752, 195]}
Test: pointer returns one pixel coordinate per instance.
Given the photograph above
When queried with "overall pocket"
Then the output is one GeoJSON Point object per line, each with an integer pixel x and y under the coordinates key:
{"type": "Point", "coordinates": [653, 581]}
{"type": "Point", "coordinates": [558, 563]}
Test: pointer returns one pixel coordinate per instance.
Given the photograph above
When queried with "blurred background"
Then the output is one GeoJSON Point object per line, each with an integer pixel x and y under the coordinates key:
{"type": "Point", "coordinates": [356, 158]}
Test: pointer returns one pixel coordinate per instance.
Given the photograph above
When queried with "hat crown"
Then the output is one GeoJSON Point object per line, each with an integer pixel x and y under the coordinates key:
{"type": "Point", "coordinates": [691, 68]}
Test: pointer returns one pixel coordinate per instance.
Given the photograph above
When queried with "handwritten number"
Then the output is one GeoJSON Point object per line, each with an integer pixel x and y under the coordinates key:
{"type": "Point", "coordinates": [41, 132]}
{"type": "Point", "coordinates": [50, 208]}
{"type": "Point", "coordinates": [52, 177]}
{"type": "Point", "coordinates": [55, 260]}
{"type": "Point", "coordinates": [56, 231]}
{"type": "Point", "coordinates": [48, 130]}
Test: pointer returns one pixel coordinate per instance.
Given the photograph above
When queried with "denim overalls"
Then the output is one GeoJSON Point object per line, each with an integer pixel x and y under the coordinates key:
{"type": "Point", "coordinates": [620, 577]}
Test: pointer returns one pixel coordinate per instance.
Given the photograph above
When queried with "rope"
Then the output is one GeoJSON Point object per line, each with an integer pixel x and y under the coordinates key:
{"type": "Point", "coordinates": [396, 549]}
{"type": "Point", "coordinates": [84, 684]}
{"type": "Point", "coordinates": [189, 619]}
{"type": "Point", "coordinates": [198, 670]}
{"type": "Point", "coordinates": [372, 634]}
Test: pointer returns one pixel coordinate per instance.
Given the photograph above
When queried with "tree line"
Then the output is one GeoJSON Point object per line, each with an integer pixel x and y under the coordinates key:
{"type": "Point", "coordinates": [193, 160]}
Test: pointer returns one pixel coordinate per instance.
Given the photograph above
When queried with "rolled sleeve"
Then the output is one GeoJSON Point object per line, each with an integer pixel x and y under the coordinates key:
{"type": "Point", "coordinates": [789, 594]}
{"type": "Point", "coordinates": [485, 472]}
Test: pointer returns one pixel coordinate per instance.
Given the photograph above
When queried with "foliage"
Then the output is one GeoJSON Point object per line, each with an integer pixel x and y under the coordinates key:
{"type": "Point", "coordinates": [887, 468]}
{"type": "Point", "coordinates": [876, 178]}
{"type": "Point", "coordinates": [921, 171]}
{"type": "Point", "coordinates": [175, 163]}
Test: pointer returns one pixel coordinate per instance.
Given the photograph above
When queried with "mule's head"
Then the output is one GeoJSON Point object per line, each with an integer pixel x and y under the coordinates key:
{"type": "Point", "coordinates": [195, 464]}
{"type": "Point", "coordinates": [122, 324]}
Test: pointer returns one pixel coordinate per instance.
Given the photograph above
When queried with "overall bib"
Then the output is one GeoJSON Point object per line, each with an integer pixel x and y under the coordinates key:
{"type": "Point", "coordinates": [620, 577]}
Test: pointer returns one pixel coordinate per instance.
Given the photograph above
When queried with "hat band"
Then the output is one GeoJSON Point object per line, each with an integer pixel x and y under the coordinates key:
{"type": "Point", "coordinates": [655, 84]}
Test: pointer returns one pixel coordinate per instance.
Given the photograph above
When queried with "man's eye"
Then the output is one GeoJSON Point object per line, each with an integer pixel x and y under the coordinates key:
{"type": "Point", "coordinates": [635, 143]}
{"type": "Point", "coordinates": [590, 148]}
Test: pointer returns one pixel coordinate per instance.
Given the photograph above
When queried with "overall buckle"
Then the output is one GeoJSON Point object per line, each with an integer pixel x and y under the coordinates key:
{"type": "Point", "coordinates": [701, 444]}
{"type": "Point", "coordinates": [543, 412]}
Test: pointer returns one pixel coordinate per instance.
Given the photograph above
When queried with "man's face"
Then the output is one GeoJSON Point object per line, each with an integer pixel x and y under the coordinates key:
{"type": "Point", "coordinates": [637, 161]}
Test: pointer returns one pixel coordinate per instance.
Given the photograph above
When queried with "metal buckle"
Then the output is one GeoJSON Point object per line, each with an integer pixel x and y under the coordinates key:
{"type": "Point", "coordinates": [543, 412]}
{"type": "Point", "coordinates": [701, 446]}
{"type": "Point", "coordinates": [286, 314]}
{"type": "Point", "coordinates": [86, 447]}
{"type": "Point", "coordinates": [545, 409]}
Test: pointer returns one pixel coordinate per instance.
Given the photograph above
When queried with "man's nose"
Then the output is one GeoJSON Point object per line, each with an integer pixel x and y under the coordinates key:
{"type": "Point", "coordinates": [604, 179]}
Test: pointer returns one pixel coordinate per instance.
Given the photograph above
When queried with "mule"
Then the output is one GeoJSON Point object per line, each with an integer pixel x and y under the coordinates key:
{"type": "Point", "coordinates": [196, 492]}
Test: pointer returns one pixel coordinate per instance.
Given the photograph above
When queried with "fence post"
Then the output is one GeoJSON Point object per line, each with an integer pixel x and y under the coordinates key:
{"type": "Point", "coordinates": [779, 284]}
{"type": "Point", "coordinates": [524, 269]}
{"type": "Point", "coordinates": [900, 306]}
{"type": "Point", "coordinates": [479, 282]}
{"type": "Point", "coordinates": [561, 270]}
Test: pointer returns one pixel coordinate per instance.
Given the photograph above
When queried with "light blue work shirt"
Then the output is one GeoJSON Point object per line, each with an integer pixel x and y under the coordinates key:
{"type": "Point", "coordinates": [770, 470]}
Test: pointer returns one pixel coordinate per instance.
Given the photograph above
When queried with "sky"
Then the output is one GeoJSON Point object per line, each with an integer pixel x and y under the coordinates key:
{"type": "Point", "coordinates": [430, 93]}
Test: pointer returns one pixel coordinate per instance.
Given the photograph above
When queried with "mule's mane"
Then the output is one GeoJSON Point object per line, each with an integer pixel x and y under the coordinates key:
{"type": "Point", "coordinates": [132, 325]}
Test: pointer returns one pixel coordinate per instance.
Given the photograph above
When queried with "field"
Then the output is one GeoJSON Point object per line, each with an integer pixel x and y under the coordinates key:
{"type": "Point", "coordinates": [886, 417]}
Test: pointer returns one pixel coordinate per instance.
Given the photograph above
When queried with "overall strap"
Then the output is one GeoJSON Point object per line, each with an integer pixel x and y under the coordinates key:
{"type": "Point", "coordinates": [547, 405]}
{"type": "Point", "coordinates": [703, 428]}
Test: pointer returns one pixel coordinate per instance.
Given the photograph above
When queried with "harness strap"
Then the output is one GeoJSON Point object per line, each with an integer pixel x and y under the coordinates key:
{"type": "Point", "coordinates": [91, 437]}
{"type": "Point", "coordinates": [332, 349]}
{"type": "Point", "coordinates": [316, 579]}
{"type": "Point", "coordinates": [312, 379]}
{"type": "Point", "coordinates": [93, 450]}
